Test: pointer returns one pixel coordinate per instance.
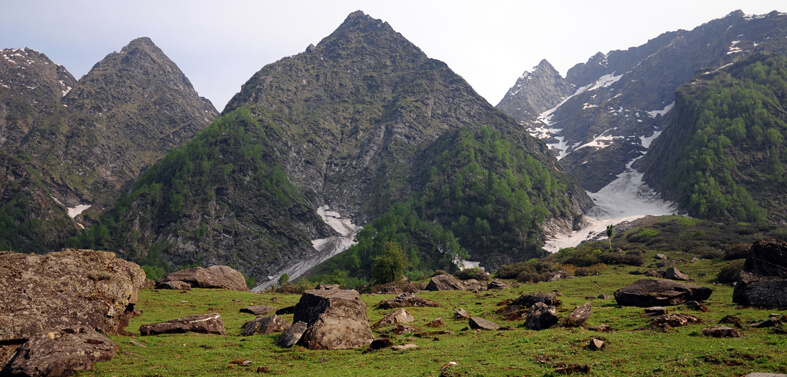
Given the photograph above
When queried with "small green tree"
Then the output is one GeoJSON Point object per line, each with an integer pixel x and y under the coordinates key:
{"type": "Point", "coordinates": [609, 235]}
{"type": "Point", "coordinates": [284, 279]}
{"type": "Point", "coordinates": [390, 265]}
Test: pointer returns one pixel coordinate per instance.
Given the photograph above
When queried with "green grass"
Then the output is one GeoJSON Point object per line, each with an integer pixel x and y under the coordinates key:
{"type": "Point", "coordinates": [631, 350]}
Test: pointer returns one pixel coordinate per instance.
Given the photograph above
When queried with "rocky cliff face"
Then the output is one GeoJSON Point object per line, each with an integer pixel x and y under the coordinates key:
{"type": "Point", "coordinates": [71, 146]}
{"type": "Point", "coordinates": [535, 91]}
{"type": "Point", "coordinates": [343, 124]}
{"type": "Point", "coordinates": [624, 98]}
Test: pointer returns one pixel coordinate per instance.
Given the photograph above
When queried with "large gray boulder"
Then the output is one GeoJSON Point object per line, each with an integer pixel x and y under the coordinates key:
{"type": "Point", "coordinates": [60, 352]}
{"type": "Point", "coordinates": [212, 277]}
{"type": "Point", "coordinates": [199, 323]}
{"type": "Point", "coordinates": [763, 280]}
{"type": "Point", "coordinates": [541, 316]}
{"type": "Point", "coordinates": [650, 292]}
{"type": "Point", "coordinates": [335, 318]}
{"type": "Point", "coordinates": [65, 289]}
{"type": "Point", "coordinates": [445, 282]}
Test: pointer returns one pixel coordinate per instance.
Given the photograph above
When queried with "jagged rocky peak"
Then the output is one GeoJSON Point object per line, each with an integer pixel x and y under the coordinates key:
{"type": "Point", "coordinates": [585, 73]}
{"type": "Point", "coordinates": [536, 91]}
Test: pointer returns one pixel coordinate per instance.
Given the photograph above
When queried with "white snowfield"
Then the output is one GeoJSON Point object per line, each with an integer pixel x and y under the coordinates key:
{"type": "Point", "coordinates": [325, 247]}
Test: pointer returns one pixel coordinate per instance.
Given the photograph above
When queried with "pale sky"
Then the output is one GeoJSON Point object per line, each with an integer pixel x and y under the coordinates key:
{"type": "Point", "coordinates": [219, 45]}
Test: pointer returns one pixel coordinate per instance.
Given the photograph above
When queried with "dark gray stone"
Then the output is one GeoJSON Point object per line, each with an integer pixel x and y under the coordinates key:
{"type": "Point", "coordinates": [291, 335]}
{"type": "Point", "coordinates": [763, 281]}
{"type": "Point", "coordinates": [649, 292]}
{"type": "Point", "coordinates": [541, 316]}
{"type": "Point", "coordinates": [483, 324]}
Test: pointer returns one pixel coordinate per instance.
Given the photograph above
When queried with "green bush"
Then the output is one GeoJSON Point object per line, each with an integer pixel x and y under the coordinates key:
{"type": "Point", "coordinates": [472, 273]}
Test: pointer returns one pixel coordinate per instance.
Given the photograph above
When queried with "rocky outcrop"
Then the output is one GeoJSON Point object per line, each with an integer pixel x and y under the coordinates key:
{"type": "Point", "coordinates": [264, 325]}
{"type": "Point", "coordinates": [212, 277]}
{"type": "Point", "coordinates": [335, 318]}
{"type": "Point", "coordinates": [395, 317]}
{"type": "Point", "coordinates": [199, 323]}
{"type": "Point", "coordinates": [535, 92]}
{"type": "Point", "coordinates": [65, 289]}
{"type": "Point", "coordinates": [763, 280]}
{"type": "Point", "coordinates": [541, 316]}
{"type": "Point", "coordinates": [62, 352]}
{"type": "Point", "coordinates": [445, 282]}
{"type": "Point", "coordinates": [649, 292]}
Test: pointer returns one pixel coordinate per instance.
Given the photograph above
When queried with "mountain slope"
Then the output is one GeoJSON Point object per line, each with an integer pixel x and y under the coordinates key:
{"type": "Point", "coordinates": [722, 156]}
{"type": "Point", "coordinates": [624, 98]}
{"type": "Point", "coordinates": [346, 124]}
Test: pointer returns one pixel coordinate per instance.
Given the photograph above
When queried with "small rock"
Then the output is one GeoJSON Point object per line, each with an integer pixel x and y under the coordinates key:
{"type": "Point", "coordinates": [675, 274]}
{"type": "Point", "coordinates": [602, 328]}
{"type": "Point", "coordinates": [404, 329]}
{"type": "Point", "coordinates": [655, 310]}
{"type": "Point", "coordinates": [404, 347]}
{"type": "Point", "coordinates": [770, 322]}
{"type": "Point", "coordinates": [259, 310]}
{"type": "Point", "coordinates": [406, 300]}
{"type": "Point", "coordinates": [445, 282]}
{"type": "Point", "coordinates": [661, 257]}
{"type": "Point", "coordinates": [722, 332]}
{"type": "Point", "coordinates": [676, 320]}
{"type": "Point", "coordinates": [326, 286]}
{"type": "Point", "coordinates": [460, 313]}
{"type": "Point", "coordinates": [264, 325]}
{"type": "Point", "coordinates": [655, 273]}
{"type": "Point", "coordinates": [571, 369]}
{"type": "Point", "coordinates": [603, 296]}
{"type": "Point", "coordinates": [380, 343]}
{"type": "Point", "coordinates": [541, 316]}
{"type": "Point", "coordinates": [286, 310]}
{"type": "Point", "coordinates": [438, 322]}
{"type": "Point", "coordinates": [397, 316]}
{"type": "Point", "coordinates": [480, 323]}
{"type": "Point", "coordinates": [697, 306]}
{"type": "Point", "coordinates": [497, 284]}
{"type": "Point", "coordinates": [291, 335]}
{"type": "Point", "coordinates": [530, 299]}
{"type": "Point", "coordinates": [578, 316]}
{"type": "Point", "coordinates": [732, 320]}
{"type": "Point", "coordinates": [176, 284]}
{"type": "Point", "coordinates": [595, 344]}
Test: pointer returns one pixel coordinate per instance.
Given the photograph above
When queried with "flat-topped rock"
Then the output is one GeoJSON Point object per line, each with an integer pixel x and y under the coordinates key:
{"type": "Point", "coordinates": [199, 323]}
{"type": "Point", "coordinates": [335, 318]}
{"type": "Point", "coordinates": [650, 292]}
{"type": "Point", "coordinates": [259, 309]}
{"type": "Point", "coordinates": [445, 282]}
{"type": "Point", "coordinates": [213, 277]}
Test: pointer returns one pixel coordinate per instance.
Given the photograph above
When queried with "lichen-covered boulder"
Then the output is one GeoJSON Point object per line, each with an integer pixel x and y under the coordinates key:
{"type": "Point", "coordinates": [335, 318]}
{"type": "Point", "coordinates": [212, 277]}
{"type": "Point", "coordinates": [66, 289]}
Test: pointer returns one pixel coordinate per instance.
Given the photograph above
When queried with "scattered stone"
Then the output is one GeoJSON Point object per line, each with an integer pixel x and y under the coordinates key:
{"type": "Point", "coordinates": [571, 369]}
{"type": "Point", "coordinates": [286, 310]}
{"type": "Point", "coordinates": [438, 322]}
{"type": "Point", "coordinates": [603, 296]}
{"type": "Point", "coordinates": [650, 292]}
{"type": "Point", "coordinates": [175, 284]}
{"type": "Point", "coordinates": [655, 273]}
{"type": "Point", "coordinates": [380, 343]}
{"type": "Point", "coordinates": [595, 344]}
{"type": "Point", "coordinates": [732, 320]}
{"type": "Point", "coordinates": [541, 316]}
{"type": "Point", "coordinates": [763, 280]}
{"type": "Point", "coordinates": [335, 318]}
{"type": "Point", "coordinates": [770, 322]}
{"type": "Point", "coordinates": [676, 320]}
{"type": "Point", "coordinates": [264, 325]}
{"type": "Point", "coordinates": [722, 332]}
{"type": "Point", "coordinates": [200, 323]}
{"type": "Point", "coordinates": [404, 347]}
{"type": "Point", "coordinates": [602, 328]}
{"type": "Point", "coordinates": [60, 353]}
{"type": "Point", "coordinates": [590, 297]}
{"type": "Point", "coordinates": [404, 329]}
{"type": "Point", "coordinates": [661, 257]}
{"type": "Point", "coordinates": [445, 282]}
{"type": "Point", "coordinates": [291, 335]}
{"type": "Point", "coordinates": [241, 362]}
{"type": "Point", "coordinates": [259, 310]}
{"type": "Point", "coordinates": [675, 274]}
{"type": "Point", "coordinates": [66, 289]}
{"type": "Point", "coordinates": [694, 305]}
{"type": "Point", "coordinates": [497, 284]}
{"type": "Point", "coordinates": [397, 316]}
{"type": "Point", "coordinates": [460, 313]}
{"type": "Point", "coordinates": [406, 300]}
{"type": "Point", "coordinates": [530, 299]}
{"type": "Point", "coordinates": [212, 277]}
{"type": "Point", "coordinates": [578, 316]}
{"type": "Point", "coordinates": [655, 310]}
{"type": "Point", "coordinates": [482, 324]}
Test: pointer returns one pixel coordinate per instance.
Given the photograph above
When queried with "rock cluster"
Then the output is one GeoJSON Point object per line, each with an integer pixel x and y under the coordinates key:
{"type": "Point", "coordinates": [763, 281]}
{"type": "Point", "coordinates": [650, 292]}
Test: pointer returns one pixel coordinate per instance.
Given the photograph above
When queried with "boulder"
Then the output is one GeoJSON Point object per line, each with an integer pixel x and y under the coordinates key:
{"type": "Point", "coordinates": [770, 322]}
{"type": "Point", "coordinates": [722, 332]}
{"type": "Point", "coordinates": [578, 316]}
{"type": "Point", "coordinates": [264, 325]}
{"type": "Point", "coordinates": [291, 335]}
{"type": "Point", "coordinates": [655, 273]}
{"type": "Point", "coordinates": [406, 300]}
{"type": "Point", "coordinates": [335, 319]}
{"type": "Point", "coordinates": [763, 280]}
{"type": "Point", "coordinates": [460, 313]}
{"type": "Point", "coordinates": [397, 316]}
{"type": "Point", "coordinates": [541, 316]}
{"type": "Point", "coordinates": [199, 323]}
{"type": "Point", "coordinates": [655, 310]}
{"type": "Point", "coordinates": [286, 310]}
{"type": "Point", "coordinates": [482, 324]}
{"type": "Point", "coordinates": [174, 284]}
{"type": "Point", "coordinates": [497, 284]}
{"type": "Point", "coordinates": [675, 274]}
{"type": "Point", "coordinates": [649, 292]}
{"type": "Point", "coordinates": [595, 344]}
{"type": "Point", "coordinates": [212, 277]}
{"type": "Point", "coordinates": [61, 352]}
{"type": "Point", "coordinates": [731, 320]}
{"type": "Point", "coordinates": [66, 289]}
{"type": "Point", "coordinates": [445, 282]}
{"type": "Point", "coordinates": [675, 320]}
{"type": "Point", "coordinates": [381, 343]}
{"type": "Point", "coordinates": [530, 299]}
{"type": "Point", "coordinates": [259, 310]}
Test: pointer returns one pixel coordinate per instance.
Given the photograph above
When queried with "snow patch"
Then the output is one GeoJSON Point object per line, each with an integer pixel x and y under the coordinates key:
{"type": "Point", "coordinates": [733, 48]}
{"type": "Point", "coordinates": [605, 81]}
{"type": "Point", "coordinates": [661, 112]}
{"type": "Point", "coordinates": [599, 142]}
{"type": "Point", "coordinates": [325, 247]}
{"type": "Point", "coordinates": [647, 140]}
{"type": "Point", "coordinates": [73, 212]}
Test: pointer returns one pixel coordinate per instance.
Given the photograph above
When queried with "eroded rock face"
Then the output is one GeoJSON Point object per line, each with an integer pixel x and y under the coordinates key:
{"type": "Point", "coordinates": [648, 292]}
{"type": "Point", "coordinates": [763, 281]}
{"type": "Point", "coordinates": [445, 282]}
{"type": "Point", "coordinates": [211, 277]}
{"type": "Point", "coordinates": [200, 323]}
{"type": "Point", "coordinates": [65, 289]}
{"type": "Point", "coordinates": [335, 318]}
{"type": "Point", "coordinates": [61, 353]}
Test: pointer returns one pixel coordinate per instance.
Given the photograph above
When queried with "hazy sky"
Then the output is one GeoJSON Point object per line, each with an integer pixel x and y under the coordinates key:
{"type": "Point", "coordinates": [221, 44]}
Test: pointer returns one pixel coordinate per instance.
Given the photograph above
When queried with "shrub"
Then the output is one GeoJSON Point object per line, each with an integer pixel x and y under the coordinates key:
{"type": "Point", "coordinates": [737, 251]}
{"type": "Point", "coordinates": [513, 271]}
{"type": "Point", "coordinates": [534, 277]}
{"type": "Point", "coordinates": [472, 273]}
{"type": "Point", "coordinates": [642, 235]}
{"type": "Point", "coordinates": [731, 273]}
{"type": "Point", "coordinates": [590, 270]}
